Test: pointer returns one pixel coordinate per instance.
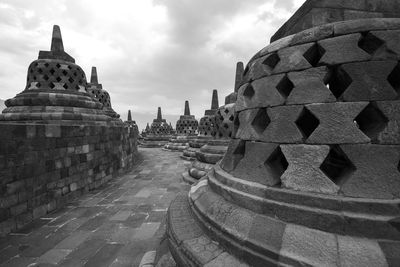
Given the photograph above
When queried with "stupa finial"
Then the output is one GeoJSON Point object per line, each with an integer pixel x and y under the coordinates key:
{"type": "Point", "coordinates": [93, 76]}
{"type": "Point", "coordinates": [187, 109]}
{"type": "Point", "coordinates": [239, 75]}
{"type": "Point", "coordinates": [214, 101]}
{"type": "Point", "coordinates": [159, 115]}
{"type": "Point", "coordinates": [56, 40]}
{"type": "Point", "coordinates": [129, 115]}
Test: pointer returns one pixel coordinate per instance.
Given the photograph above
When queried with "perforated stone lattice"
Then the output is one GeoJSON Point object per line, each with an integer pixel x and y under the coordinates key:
{"type": "Point", "coordinates": [186, 126]}
{"type": "Point", "coordinates": [224, 120]}
{"type": "Point", "coordinates": [55, 74]}
{"type": "Point", "coordinates": [207, 126]}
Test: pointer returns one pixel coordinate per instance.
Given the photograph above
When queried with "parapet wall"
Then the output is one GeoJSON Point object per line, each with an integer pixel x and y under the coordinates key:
{"type": "Point", "coordinates": [42, 166]}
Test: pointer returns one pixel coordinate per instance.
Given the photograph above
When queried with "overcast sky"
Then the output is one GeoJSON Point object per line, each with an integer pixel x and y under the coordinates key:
{"type": "Point", "coordinates": [148, 53]}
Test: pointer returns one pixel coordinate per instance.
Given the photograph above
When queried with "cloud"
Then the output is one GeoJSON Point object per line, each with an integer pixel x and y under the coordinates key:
{"type": "Point", "coordinates": [147, 53]}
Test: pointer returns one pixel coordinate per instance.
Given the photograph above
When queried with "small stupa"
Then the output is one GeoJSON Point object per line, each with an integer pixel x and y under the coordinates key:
{"type": "Point", "coordinates": [131, 123]}
{"type": "Point", "coordinates": [158, 134]}
{"type": "Point", "coordinates": [186, 130]}
{"type": "Point", "coordinates": [95, 89]}
{"type": "Point", "coordinates": [206, 130]}
{"type": "Point", "coordinates": [215, 148]}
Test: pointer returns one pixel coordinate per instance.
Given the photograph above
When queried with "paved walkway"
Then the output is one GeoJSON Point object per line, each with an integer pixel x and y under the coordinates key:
{"type": "Point", "coordinates": [112, 226]}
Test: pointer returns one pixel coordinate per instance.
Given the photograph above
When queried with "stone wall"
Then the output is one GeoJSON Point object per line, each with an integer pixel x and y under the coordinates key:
{"type": "Point", "coordinates": [44, 166]}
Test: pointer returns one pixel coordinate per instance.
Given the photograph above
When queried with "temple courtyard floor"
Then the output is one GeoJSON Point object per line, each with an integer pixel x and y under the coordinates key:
{"type": "Point", "coordinates": [115, 225]}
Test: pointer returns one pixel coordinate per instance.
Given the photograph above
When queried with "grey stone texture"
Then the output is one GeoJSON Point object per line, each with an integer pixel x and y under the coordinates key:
{"type": "Point", "coordinates": [311, 176]}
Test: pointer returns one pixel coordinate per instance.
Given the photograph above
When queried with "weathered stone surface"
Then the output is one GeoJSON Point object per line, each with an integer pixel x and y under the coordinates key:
{"type": "Point", "coordinates": [342, 49]}
{"type": "Point", "coordinates": [254, 165]}
{"type": "Point", "coordinates": [225, 260]}
{"type": "Point", "coordinates": [337, 123]}
{"type": "Point", "coordinates": [244, 119]}
{"type": "Point", "coordinates": [376, 174]}
{"type": "Point", "coordinates": [303, 172]}
{"type": "Point", "coordinates": [234, 154]}
{"type": "Point", "coordinates": [277, 45]}
{"type": "Point", "coordinates": [390, 134]}
{"type": "Point", "coordinates": [360, 252]}
{"type": "Point", "coordinates": [260, 93]}
{"type": "Point", "coordinates": [313, 34]}
{"type": "Point", "coordinates": [363, 25]}
{"type": "Point", "coordinates": [282, 127]}
{"type": "Point", "coordinates": [292, 59]}
{"type": "Point", "coordinates": [310, 87]}
{"type": "Point", "coordinates": [369, 81]}
{"type": "Point", "coordinates": [309, 246]}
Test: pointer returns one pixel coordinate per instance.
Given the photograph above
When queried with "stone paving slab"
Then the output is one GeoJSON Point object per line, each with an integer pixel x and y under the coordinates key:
{"type": "Point", "coordinates": [114, 225]}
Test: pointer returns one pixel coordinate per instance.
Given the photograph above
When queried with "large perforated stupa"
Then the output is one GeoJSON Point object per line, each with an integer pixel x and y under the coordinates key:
{"type": "Point", "coordinates": [312, 175]}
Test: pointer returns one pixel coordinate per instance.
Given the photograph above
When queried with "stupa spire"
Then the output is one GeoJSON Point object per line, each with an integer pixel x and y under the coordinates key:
{"type": "Point", "coordinates": [129, 115]}
{"type": "Point", "coordinates": [187, 109]}
{"type": "Point", "coordinates": [56, 40]}
{"type": "Point", "coordinates": [93, 76]}
{"type": "Point", "coordinates": [159, 115]}
{"type": "Point", "coordinates": [214, 101]}
{"type": "Point", "coordinates": [239, 75]}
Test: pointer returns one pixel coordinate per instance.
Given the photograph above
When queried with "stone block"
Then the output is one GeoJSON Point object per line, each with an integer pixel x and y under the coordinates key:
{"type": "Point", "coordinates": [314, 34]}
{"type": "Point", "coordinates": [245, 130]}
{"type": "Point", "coordinates": [368, 81]}
{"type": "Point", "coordinates": [268, 233]}
{"type": "Point", "coordinates": [337, 123]}
{"type": "Point", "coordinates": [360, 252]}
{"type": "Point", "coordinates": [389, 133]}
{"type": "Point", "coordinates": [376, 173]}
{"type": "Point", "coordinates": [277, 45]}
{"type": "Point", "coordinates": [342, 49]}
{"type": "Point", "coordinates": [282, 127]}
{"type": "Point", "coordinates": [384, 44]}
{"type": "Point", "coordinates": [234, 154]}
{"type": "Point", "coordinates": [391, 250]}
{"type": "Point", "coordinates": [254, 165]}
{"type": "Point", "coordinates": [260, 93]}
{"type": "Point", "coordinates": [52, 130]}
{"type": "Point", "coordinates": [309, 86]}
{"type": "Point", "coordinates": [204, 248]}
{"type": "Point", "coordinates": [363, 25]}
{"type": "Point", "coordinates": [292, 59]}
{"type": "Point", "coordinates": [257, 68]}
{"type": "Point", "coordinates": [304, 173]}
{"type": "Point", "coordinates": [306, 246]}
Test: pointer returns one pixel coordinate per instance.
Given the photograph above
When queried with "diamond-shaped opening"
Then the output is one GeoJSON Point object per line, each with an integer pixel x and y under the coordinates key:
{"type": "Point", "coordinates": [52, 85]}
{"type": "Point", "coordinates": [65, 86]}
{"type": "Point", "coordinates": [40, 70]}
{"type": "Point", "coordinates": [46, 64]}
{"type": "Point", "coordinates": [58, 65]}
{"type": "Point", "coordinates": [69, 67]}
{"type": "Point", "coordinates": [58, 79]}
{"type": "Point", "coordinates": [71, 80]}
{"type": "Point", "coordinates": [336, 165]}
{"type": "Point", "coordinates": [231, 118]}
{"type": "Point", "coordinates": [277, 163]}
{"type": "Point", "coordinates": [285, 86]}
{"type": "Point", "coordinates": [52, 71]}
{"type": "Point", "coordinates": [338, 82]}
{"type": "Point", "coordinates": [370, 43]}
{"type": "Point", "coordinates": [394, 78]}
{"type": "Point", "coordinates": [307, 122]}
{"type": "Point", "coordinates": [38, 85]}
{"type": "Point", "coordinates": [226, 126]}
{"type": "Point", "coordinates": [272, 60]}
{"type": "Point", "coordinates": [64, 72]}
{"type": "Point", "coordinates": [45, 77]}
{"type": "Point", "coordinates": [226, 111]}
{"type": "Point", "coordinates": [249, 91]}
{"type": "Point", "coordinates": [371, 121]}
{"type": "Point", "coordinates": [314, 54]}
{"type": "Point", "coordinates": [261, 121]}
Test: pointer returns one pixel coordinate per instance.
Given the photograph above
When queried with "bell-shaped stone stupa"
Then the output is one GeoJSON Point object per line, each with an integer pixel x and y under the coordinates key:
{"type": "Point", "coordinates": [206, 130]}
{"type": "Point", "coordinates": [312, 175]}
{"type": "Point", "coordinates": [186, 130]}
{"type": "Point", "coordinates": [159, 133]}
